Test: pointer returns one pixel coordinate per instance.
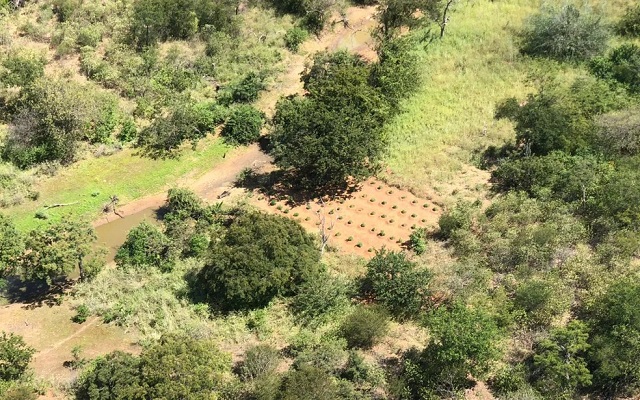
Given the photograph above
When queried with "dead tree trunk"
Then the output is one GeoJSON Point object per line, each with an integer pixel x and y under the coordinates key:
{"type": "Point", "coordinates": [324, 229]}
{"type": "Point", "coordinates": [445, 18]}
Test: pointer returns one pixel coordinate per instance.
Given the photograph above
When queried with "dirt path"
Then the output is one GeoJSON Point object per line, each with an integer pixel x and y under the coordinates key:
{"type": "Point", "coordinates": [59, 343]}
{"type": "Point", "coordinates": [355, 38]}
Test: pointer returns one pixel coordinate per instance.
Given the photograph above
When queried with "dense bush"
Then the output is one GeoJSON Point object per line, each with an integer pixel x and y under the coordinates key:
{"type": "Point", "coordinates": [248, 89]}
{"type": "Point", "coordinates": [463, 342]}
{"type": "Point", "coordinates": [629, 24]}
{"type": "Point", "coordinates": [335, 132]}
{"type": "Point", "coordinates": [396, 74]}
{"type": "Point", "coordinates": [243, 125]}
{"type": "Point", "coordinates": [318, 299]}
{"type": "Point", "coordinates": [23, 68]}
{"type": "Point", "coordinates": [314, 14]}
{"type": "Point", "coordinates": [11, 246]}
{"type": "Point", "coordinates": [308, 383]}
{"type": "Point", "coordinates": [259, 257]}
{"type": "Point", "coordinates": [145, 246]}
{"type": "Point", "coordinates": [187, 122]}
{"type": "Point", "coordinates": [541, 301]}
{"type": "Point", "coordinates": [614, 319]}
{"type": "Point", "coordinates": [565, 33]}
{"type": "Point", "coordinates": [621, 66]}
{"type": "Point", "coordinates": [54, 118]}
{"type": "Point", "coordinates": [364, 327]}
{"type": "Point", "coordinates": [176, 367]}
{"type": "Point", "coordinates": [60, 249]}
{"type": "Point", "coordinates": [295, 37]}
{"type": "Point", "coordinates": [395, 14]}
{"type": "Point", "coordinates": [15, 356]}
{"type": "Point", "coordinates": [397, 283]}
{"type": "Point", "coordinates": [560, 368]}
{"type": "Point", "coordinates": [159, 20]}
{"type": "Point", "coordinates": [619, 132]}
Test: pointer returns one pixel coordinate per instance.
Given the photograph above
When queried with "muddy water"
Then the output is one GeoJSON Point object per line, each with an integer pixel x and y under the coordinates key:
{"type": "Point", "coordinates": [113, 234]}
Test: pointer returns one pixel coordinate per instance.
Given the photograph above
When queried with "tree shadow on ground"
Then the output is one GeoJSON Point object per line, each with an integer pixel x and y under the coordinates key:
{"type": "Point", "coordinates": [279, 185]}
{"type": "Point", "coordinates": [34, 294]}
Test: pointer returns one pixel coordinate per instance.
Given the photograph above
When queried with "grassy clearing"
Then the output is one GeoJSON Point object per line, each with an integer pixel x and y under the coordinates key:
{"type": "Point", "coordinates": [90, 182]}
{"type": "Point", "coordinates": [465, 74]}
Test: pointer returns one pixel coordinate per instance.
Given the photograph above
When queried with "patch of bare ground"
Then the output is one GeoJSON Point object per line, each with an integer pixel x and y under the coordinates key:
{"type": "Point", "coordinates": [49, 330]}
{"type": "Point", "coordinates": [374, 216]}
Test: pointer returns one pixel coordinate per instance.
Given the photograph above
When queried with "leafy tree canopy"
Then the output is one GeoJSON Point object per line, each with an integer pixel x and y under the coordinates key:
{"type": "Point", "coordinates": [11, 246]}
{"type": "Point", "coordinates": [397, 283]}
{"type": "Point", "coordinates": [15, 356]}
{"type": "Point", "coordinates": [259, 257]}
{"type": "Point", "coordinates": [145, 246]}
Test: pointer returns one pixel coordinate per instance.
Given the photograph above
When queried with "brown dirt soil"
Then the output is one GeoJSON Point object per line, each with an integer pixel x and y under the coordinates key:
{"type": "Point", "coordinates": [375, 216]}
{"type": "Point", "coordinates": [51, 333]}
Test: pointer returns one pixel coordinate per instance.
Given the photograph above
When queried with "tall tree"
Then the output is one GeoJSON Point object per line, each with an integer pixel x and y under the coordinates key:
{"type": "Point", "coordinates": [11, 246]}
{"type": "Point", "coordinates": [59, 249]}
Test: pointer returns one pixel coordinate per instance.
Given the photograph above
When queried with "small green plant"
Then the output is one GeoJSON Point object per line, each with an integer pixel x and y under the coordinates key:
{"type": "Point", "coordinates": [359, 244]}
{"type": "Point", "coordinates": [351, 206]}
{"type": "Point", "coordinates": [372, 213]}
{"type": "Point", "coordinates": [350, 239]}
{"type": "Point", "coordinates": [381, 234]}
{"type": "Point", "coordinates": [286, 211]}
{"type": "Point", "coordinates": [373, 200]}
{"type": "Point", "coordinates": [349, 222]}
{"type": "Point", "coordinates": [384, 203]}
{"type": "Point", "coordinates": [340, 218]}
{"type": "Point", "coordinates": [417, 241]}
{"type": "Point", "coordinates": [308, 206]}
{"type": "Point", "coordinates": [392, 238]}
{"type": "Point", "coordinates": [373, 229]}
{"type": "Point", "coordinates": [337, 234]}
{"type": "Point", "coordinates": [82, 313]}
{"type": "Point", "coordinates": [362, 225]}
{"type": "Point", "coordinates": [370, 250]}
{"type": "Point", "coordinates": [425, 205]}
{"type": "Point", "coordinates": [272, 203]}
{"type": "Point", "coordinates": [390, 192]}
{"type": "Point", "coordinates": [383, 216]}
{"type": "Point", "coordinates": [403, 212]}
{"type": "Point", "coordinates": [279, 208]}
{"type": "Point", "coordinates": [414, 201]}
{"type": "Point", "coordinates": [306, 218]}
{"type": "Point", "coordinates": [394, 207]}
{"type": "Point", "coordinates": [423, 220]}
{"type": "Point", "coordinates": [294, 37]}
{"type": "Point", "coordinates": [379, 187]}
{"type": "Point", "coordinates": [413, 215]}
{"type": "Point", "coordinates": [331, 212]}
{"type": "Point", "coordinates": [41, 214]}
{"type": "Point", "coordinates": [403, 197]}
{"type": "Point", "coordinates": [295, 214]}
{"type": "Point", "coordinates": [435, 209]}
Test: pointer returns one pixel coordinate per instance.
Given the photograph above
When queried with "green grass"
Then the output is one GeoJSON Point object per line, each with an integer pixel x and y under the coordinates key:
{"type": "Point", "coordinates": [473, 67]}
{"type": "Point", "coordinates": [124, 174]}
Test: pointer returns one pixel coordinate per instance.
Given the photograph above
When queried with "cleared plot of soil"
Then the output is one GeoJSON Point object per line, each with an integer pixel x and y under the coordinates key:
{"type": "Point", "coordinates": [49, 330]}
{"type": "Point", "coordinates": [375, 216]}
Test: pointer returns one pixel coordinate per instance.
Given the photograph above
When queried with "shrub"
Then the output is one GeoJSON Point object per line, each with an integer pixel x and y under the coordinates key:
{"type": "Point", "coordinates": [308, 383]}
{"type": "Point", "coordinates": [364, 327]}
{"type": "Point", "coordinates": [248, 89]}
{"type": "Point", "coordinates": [621, 65]}
{"type": "Point", "coordinates": [294, 37]}
{"type": "Point", "coordinates": [114, 376]}
{"type": "Point", "coordinates": [15, 356]}
{"type": "Point", "coordinates": [82, 313]}
{"type": "Point", "coordinates": [417, 241]}
{"type": "Point", "coordinates": [541, 301]}
{"type": "Point", "coordinates": [565, 33]}
{"type": "Point", "coordinates": [317, 299]}
{"type": "Point", "coordinates": [260, 256]}
{"type": "Point", "coordinates": [458, 218]}
{"type": "Point", "coordinates": [629, 24]}
{"type": "Point", "coordinates": [145, 246]}
{"type": "Point", "coordinates": [11, 246]}
{"type": "Point", "coordinates": [463, 342]}
{"type": "Point", "coordinates": [23, 68]}
{"type": "Point", "coordinates": [396, 283]}
{"type": "Point", "coordinates": [259, 361]}
{"type": "Point", "coordinates": [243, 126]}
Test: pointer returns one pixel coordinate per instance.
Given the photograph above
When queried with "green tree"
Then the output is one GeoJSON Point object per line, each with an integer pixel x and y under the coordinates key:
{"type": "Point", "coordinates": [397, 283]}
{"type": "Point", "coordinates": [564, 33]}
{"type": "Point", "coordinates": [308, 383]}
{"type": "Point", "coordinates": [463, 342]}
{"type": "Point", "coordinates": [541, 301]}
{"type": "Point", "coordinates": [621, 66]}
{"type": "Point", "coordinates": [11, 246]}
{"type": "Point", "coordinates": [318, 299]}
{"type": "Point", "coordinates": [396, 74]}
{"type": "Point", "coordinates": [22, 68]}
{"type": "Point", "coordinates": [59, 249]}
{"type": "Point", "coordinates": [259, 257]}
{"type": "Point", "coordinates": [145, 246]}
{"type": "Point", "coordinates": [180, 367]}
{"type": "Point", "coordinates": [629, 24]}
{"type": "Point", "coordinates": [243, 126]}
{"type": "Point", "coordinates": [559, 362]}
{"type": "Point", "coordinates": [54, 117]}
{"type": "Point", "coordinates": [15, 356]}
{"type": "Point", "coordinates": [364, 327]}
{"type": "Point", "coordinates": [115, 376]}
{"type": "Point", "coordinates": [614, 319]}
{"type": "Point", "coordinates": [395, 14]}
{"type": "Point", "coordinates": [335, 132]}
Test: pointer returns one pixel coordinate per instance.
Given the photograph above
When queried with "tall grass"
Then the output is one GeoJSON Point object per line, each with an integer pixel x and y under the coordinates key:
{"type": "Point", "coordinates": [474, 66]}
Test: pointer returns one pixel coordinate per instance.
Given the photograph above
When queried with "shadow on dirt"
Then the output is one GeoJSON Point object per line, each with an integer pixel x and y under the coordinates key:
{"type": "Point", "coordinates": [278, 185]}
{"type": "Point", "coordinates": [34, 294]}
